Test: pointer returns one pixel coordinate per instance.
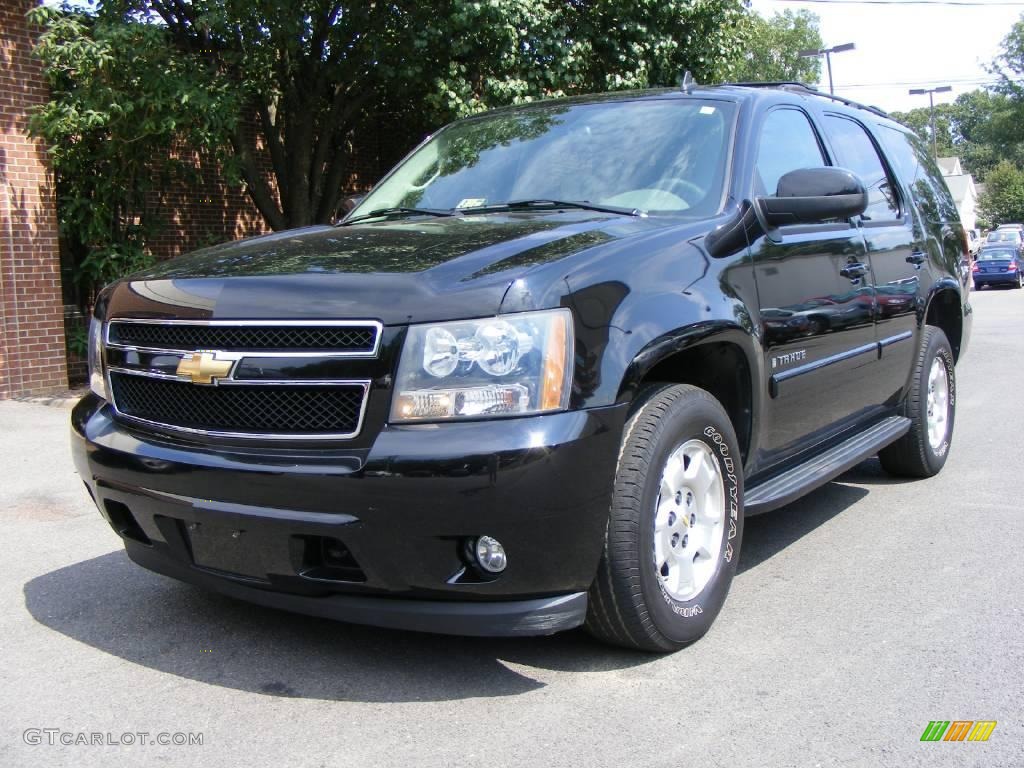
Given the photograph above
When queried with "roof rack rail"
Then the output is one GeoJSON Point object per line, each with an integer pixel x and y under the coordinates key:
{"type": "Point", "coordinates": [793, 85]}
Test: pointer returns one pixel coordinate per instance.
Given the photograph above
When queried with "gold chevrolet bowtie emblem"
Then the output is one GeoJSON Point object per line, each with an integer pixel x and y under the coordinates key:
{"type": "Point", "coordinates": [204, 367]}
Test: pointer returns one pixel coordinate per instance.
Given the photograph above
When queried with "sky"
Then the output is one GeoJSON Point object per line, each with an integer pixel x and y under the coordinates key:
{"type": "Point", "coordinates": [900, 47]}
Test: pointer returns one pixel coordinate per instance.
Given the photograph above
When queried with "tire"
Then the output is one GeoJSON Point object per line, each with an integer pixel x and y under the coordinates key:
{"type": "Point", "coordinates": [921, 452]}
{"type": "Point", "coordinates": [635, 601]}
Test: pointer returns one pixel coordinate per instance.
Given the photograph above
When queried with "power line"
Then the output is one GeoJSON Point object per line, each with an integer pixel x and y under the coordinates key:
{"type": "Point", "coordinates": [961, 3]}
{"type": "Point", "coordinates": [972, 81]}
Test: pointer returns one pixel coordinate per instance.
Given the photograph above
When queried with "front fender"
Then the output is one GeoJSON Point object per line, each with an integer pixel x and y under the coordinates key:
{"type": "Point", "coordinates": [680, 340]}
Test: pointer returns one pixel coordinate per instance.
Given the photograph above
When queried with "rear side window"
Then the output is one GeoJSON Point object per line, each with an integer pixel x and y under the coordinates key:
{"type": "Point", "coordinates": [855, 150]}
{"type": "Point", "coordinates": [915, 164]}
{"type": "Point", "coordinates": [788, 143]}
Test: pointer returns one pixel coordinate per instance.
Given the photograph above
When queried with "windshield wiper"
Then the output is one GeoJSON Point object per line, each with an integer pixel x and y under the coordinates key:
{"type": "Point", "coordinates": [547, 203]}
{"type": "Point", "coordinates": [399, 210]}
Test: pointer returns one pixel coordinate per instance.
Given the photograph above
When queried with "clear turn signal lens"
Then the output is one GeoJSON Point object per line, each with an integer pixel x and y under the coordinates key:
{"type": "Point", "coordinates": [511, 365]}
{"type": "Point", "coordinates": [97, 377]}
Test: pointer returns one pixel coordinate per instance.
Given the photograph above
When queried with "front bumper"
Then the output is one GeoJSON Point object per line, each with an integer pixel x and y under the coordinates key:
{"type": "Point", "coordinates": [376, 535]}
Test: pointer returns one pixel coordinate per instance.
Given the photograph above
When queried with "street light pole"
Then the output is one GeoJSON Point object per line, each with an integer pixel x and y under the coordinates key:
{"type": "Point", "coordinates": [827, 53]}
{"type": "Point", "coordinates": [931, 110]}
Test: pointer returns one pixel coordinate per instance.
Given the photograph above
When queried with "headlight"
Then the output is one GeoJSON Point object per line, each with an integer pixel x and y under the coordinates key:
{"type": "Point", "coordinates": [97, 380]}
{"type": "Point", "coordinates": [511, 365]}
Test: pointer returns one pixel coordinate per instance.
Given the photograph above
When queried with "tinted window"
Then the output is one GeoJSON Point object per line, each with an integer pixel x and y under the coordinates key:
{"type": "Point", "coordinates": [664, 156]}
{"type": "Point", "coordinates": [855, 150]}
{"type": "Point", "coordinates": [908, 166]}
{"type": "Point", "coordinates": [996, 254]}
{"type": "Point", "coordinates": [788, 143]}
{"type": "Point", "coordinates": [1004, 236]}
{"type": "Point", "coordinates": [915, 164]}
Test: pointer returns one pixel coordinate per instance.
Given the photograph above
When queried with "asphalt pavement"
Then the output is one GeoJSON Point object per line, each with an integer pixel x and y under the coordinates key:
{"type": "Point", "coordinates": [860, 613]}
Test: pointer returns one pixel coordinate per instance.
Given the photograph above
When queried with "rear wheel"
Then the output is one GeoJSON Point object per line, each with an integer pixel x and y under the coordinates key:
{"type": "Point", "coordinates": [674, 530]}
{"type": "Point", "coordinates": [931, 408]}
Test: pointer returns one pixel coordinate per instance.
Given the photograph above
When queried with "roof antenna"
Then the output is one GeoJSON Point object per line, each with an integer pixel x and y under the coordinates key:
{"type": "Point", "coordinates": [687, 82]}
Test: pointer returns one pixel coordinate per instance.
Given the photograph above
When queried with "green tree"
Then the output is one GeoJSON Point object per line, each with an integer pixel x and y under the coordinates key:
{"type": "Point", "coordinates": [987, 128]}
{"type": "Point", "coordinates": [133, 80]}
{"type": "Point", "coordinates": [981, 127]}
{"type": "Point", "coordinates": [1008, 66]}
{"type": "Point", "coordinates": [919, 121]}
{"type": "Point", "coordinates": [1003, 199]}
{"type": "Point", "coordinates": [318, 74]}
{"type": "Point", "coordinates": [773, 45]}
{"type": "Point", "coordinates": [120, 98]}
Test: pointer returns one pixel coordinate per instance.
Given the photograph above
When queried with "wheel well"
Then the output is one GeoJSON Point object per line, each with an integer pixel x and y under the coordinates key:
{"type": "Point", "coordinates": [944, 312]}
{"type": "Point", "coordinates": [719, 368]}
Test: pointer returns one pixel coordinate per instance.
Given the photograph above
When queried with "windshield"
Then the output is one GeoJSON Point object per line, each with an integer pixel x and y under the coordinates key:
{"type": "Point", "coordinates": [996, 254]}
{"type": "Point", "coordinates": [1004, 236]}
{"type": "Point", "coordinates": [661, 156]}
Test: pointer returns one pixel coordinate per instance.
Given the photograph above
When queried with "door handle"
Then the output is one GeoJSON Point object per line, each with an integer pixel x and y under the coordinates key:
{"type": "Point", "coordinates": [917, 258]}
{"type": "Point", "coordinates": [854, 270]}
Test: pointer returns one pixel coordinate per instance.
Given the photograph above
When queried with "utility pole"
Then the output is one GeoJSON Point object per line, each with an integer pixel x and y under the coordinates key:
{"type": "Point", "coordinates": [931, 110]}
{"type": "Point", "coordinates": [827, 53]}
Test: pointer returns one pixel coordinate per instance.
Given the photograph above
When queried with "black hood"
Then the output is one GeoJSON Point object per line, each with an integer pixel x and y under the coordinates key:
{"type": "Point", "coordinates": [397, 272]}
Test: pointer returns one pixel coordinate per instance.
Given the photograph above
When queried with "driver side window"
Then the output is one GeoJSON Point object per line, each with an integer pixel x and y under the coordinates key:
{"type": "Point", "coordinates": [788, 143]}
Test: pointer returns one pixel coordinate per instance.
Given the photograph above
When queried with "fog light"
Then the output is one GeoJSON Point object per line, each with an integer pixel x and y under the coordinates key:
{"type": "Point", "coordinates": [490, 555]}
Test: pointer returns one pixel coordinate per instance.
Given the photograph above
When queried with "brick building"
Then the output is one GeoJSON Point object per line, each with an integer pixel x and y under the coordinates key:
{"type": "Point", "coordinates": [32, 356]}
{"type": "Point", "coordinates": [204, 211]}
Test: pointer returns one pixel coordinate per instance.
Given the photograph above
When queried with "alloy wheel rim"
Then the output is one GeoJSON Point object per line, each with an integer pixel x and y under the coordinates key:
{"type": "Point", "coordinates": [689, 520]}
{"type": "Point", "coordinates": [938, 403]}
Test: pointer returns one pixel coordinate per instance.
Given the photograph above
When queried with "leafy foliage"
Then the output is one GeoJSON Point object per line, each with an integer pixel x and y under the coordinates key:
{"type": "Point", "coordinates": [133, 79]}
{"type": "Point", "coordinates": [997, 122]}
{"type": "Point", "coordinates": [980, 127]}
{"type": "Point", "coordinates": [1003, 199]}
{"type": "Point", "coordinates": [919, 120]}
{"type": "Point", "coordinates": [120, 97]}
{"type": "Point", "coordinates": [321, 74]}
{"type": "Point", "coordinates": [772, 52]}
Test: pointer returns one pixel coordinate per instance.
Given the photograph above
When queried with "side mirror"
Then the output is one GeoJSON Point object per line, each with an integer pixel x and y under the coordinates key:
{"type": "Point", "coordinates": [805, 196]}
{"type": "Point", "coordinates": [812, 195]}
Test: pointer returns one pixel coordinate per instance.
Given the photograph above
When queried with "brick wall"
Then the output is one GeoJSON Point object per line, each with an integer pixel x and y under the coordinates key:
{"type": "Point", "coordinates": [32, 356]}
{"type": "Point", "coordinates": [202, 208]}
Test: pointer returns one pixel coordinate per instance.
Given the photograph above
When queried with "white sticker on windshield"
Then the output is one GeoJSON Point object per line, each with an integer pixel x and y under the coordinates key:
{"type": "Point", "coordinates": [472, 202]}
{"type": "Point", "coordinates": [707, 110]}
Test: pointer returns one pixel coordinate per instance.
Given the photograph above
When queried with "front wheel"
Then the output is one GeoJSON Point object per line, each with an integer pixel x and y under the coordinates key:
{"type": "Point", "coordinates": [675, 526]}
{"type": "Point", "coordinates": [931, 408]}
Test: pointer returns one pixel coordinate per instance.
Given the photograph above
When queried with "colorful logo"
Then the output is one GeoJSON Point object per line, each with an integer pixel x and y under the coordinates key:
{"type": "Point", "coordinates": [958, 730]}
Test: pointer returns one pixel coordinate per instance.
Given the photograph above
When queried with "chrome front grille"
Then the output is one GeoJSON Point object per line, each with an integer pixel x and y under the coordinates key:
{"type": "Point", "coordinates": [349, 339]}
{"type": "Point", "coordinates": [295, 410]}
{"type": "Point", "coordinates": [195, 376]}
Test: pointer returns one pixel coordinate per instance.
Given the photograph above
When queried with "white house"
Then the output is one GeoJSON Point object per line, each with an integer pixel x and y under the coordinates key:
{"type": "Point", "coordinates": [950, 166]}
{"type": "Point", "coordinates": [961, 186]}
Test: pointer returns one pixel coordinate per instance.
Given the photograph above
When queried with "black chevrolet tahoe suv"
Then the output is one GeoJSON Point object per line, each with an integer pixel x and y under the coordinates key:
{"type": "Point", "coordinates": [537, 378]}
